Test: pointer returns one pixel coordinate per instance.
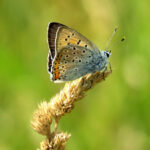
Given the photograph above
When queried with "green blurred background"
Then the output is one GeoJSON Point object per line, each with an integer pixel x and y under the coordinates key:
{"type": "Point", "coordinates": [114, 115]}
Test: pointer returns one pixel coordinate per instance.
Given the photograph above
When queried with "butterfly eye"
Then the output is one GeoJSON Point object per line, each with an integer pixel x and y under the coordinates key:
{"type": "Point", "coordinates": [107, 54]}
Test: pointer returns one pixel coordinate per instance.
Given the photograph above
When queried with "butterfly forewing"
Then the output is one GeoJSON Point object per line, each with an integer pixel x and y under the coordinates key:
{"type": "Point", "coordinates": [67, 36]}
{"type": "Point", "coordinates": [59, 36]}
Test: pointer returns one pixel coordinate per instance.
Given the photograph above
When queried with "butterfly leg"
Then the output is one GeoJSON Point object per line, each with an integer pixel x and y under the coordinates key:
{"type": "Point", "coordinates": [106, 69]}
{"type": "Point", "coordinates": [103, 75]}
{"type": "Point", "coordinates": [110, 67]}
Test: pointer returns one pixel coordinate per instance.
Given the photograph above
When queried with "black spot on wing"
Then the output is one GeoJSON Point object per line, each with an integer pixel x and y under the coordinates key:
{"type": "Point", "coordinates": [78, 42]}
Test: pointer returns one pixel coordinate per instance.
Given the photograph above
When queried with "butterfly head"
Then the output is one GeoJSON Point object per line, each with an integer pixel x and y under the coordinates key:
{"type": "Point", "coordinates": [106, 54]}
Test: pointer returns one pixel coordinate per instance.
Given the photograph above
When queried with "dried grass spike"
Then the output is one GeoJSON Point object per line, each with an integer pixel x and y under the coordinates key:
{"type": "Point", "coordinates": [60, 105]}
{"type": "Point", "coordinates": [57, 141]}
{"type": "Point", "coordinates": [42, 119]}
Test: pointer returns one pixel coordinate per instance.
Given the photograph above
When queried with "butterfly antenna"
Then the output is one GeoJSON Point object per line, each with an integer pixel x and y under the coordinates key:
{"type": "Point", "coordinates": [110, 39]}
{"type": "Point", "coordinates": [122, 40]}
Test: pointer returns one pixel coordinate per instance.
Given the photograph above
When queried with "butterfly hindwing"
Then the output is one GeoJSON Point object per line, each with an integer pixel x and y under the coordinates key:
{"type": "Point", "coordinates": [73, 62]}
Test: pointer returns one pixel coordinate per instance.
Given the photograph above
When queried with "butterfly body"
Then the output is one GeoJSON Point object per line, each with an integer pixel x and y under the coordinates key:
{"type": "Point", "coordinates": [72, 55]}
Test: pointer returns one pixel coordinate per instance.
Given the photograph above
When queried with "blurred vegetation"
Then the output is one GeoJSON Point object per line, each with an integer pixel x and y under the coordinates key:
{"type": "Point", "coordinates": [115, 115]}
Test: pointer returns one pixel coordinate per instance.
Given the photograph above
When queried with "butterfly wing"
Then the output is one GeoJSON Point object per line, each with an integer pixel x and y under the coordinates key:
{"type": "Point", "coordinates": [73, 62]}
{"type": "Point", "coordinates": [59, 36]}
{"type": "Point", "coordinates": [60, 39]}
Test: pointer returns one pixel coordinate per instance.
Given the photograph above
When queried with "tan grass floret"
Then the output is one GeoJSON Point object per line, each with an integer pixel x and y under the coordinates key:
{"type": "Point", "coordinates": [58, 106]}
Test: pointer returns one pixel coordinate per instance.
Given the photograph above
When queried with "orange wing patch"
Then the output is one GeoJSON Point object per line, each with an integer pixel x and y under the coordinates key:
{"type": "Point", "coordinates": [56, 67]}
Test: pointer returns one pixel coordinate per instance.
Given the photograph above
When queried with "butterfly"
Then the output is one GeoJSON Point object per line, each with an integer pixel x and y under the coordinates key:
{"type": "Point", "coordinates": [72, 55]}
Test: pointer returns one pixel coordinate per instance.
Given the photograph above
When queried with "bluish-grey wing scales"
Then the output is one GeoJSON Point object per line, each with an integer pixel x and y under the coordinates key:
{"type": "Point", "coordinates": [73, 62]}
